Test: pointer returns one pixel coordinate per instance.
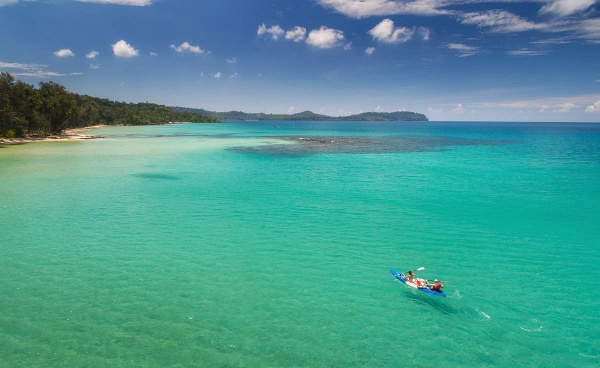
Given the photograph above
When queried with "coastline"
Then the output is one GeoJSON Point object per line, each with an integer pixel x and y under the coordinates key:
{"type": "Point", "coordinates": [67, 135]}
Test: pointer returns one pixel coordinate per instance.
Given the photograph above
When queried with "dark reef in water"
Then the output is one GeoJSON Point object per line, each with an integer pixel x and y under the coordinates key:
{"type": "Point", "coordinates": [155, 176]}
{"type": "Point", "coordinates": [364, 145]}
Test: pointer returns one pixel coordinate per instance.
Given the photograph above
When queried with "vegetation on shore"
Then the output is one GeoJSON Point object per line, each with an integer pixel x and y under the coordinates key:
{"type": "Point", "coordinates": [309, 116]}
{"type": "Point", "coordinates": [50, 109]}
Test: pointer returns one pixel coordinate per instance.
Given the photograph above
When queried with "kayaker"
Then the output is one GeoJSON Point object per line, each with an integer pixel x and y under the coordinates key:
{"type": "Point", "coordinates": [410, 277]}
{"type": "Point", "coordinates": [436, 286]}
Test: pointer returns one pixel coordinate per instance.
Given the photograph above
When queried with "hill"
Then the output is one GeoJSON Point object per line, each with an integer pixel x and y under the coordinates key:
{"type": "Point", "coordinates": [309, 116]}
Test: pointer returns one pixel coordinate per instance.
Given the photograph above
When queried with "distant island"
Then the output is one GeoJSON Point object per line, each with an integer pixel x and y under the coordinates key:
{"type": "Point", "coordinates": [308, 116]}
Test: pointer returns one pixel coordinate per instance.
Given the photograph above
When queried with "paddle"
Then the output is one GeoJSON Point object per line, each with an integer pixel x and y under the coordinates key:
{"type": "Point", "coordinates": [418, 269]}
{"type": "Point", "coordinates": [440, 281]}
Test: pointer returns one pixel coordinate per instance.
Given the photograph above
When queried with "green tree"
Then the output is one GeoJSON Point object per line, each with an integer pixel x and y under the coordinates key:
{"type": "Point", "coordinates": [50, 109]}
{"type": "Point", "coordinates": [57, 105]}
{"type": "Point", "coordinates": [7, 113]}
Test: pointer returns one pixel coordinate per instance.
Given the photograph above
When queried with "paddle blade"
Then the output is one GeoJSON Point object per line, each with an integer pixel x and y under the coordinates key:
{"type": "Point", "coordinates": [420, 268]}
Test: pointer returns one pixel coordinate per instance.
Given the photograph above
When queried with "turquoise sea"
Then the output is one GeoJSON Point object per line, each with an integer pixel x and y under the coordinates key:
{"type": "Point", "coordinates": [269, 244]}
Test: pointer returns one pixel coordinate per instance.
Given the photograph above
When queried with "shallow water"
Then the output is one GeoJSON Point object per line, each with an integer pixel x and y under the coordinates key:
{"type": "Point", "coordinates": [270, 244]}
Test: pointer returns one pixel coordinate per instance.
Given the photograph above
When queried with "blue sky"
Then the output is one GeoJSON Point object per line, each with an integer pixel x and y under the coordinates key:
{"type": "Point", "coordinates": [536, 60]}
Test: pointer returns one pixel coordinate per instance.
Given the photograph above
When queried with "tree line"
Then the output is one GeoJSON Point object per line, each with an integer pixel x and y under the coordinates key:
{"type": "Point", "coordinates": [50, 109]}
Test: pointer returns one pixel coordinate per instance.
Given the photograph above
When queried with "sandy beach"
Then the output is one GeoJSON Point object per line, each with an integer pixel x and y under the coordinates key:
{"type": "Point", "coordinates": [67, 135]}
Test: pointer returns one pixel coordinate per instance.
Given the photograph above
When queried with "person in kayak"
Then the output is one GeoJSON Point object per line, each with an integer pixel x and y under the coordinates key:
{"type": "Point", "coordinates": [436, 286]}
{"type": "Point", "coordinates": [410, 276]}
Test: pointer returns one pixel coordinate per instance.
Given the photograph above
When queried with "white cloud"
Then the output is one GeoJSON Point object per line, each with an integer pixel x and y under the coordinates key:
{"type": "Point", "coordinates": [92, 54]}
{"type": "Point", "coordinates": [5, 65]}
{"type": "Point", "coordinates": [593, 108]}
{"type": "Point", "coordinates": [120, 2]}
{"type": "Point", "coordinates": [153, 54]}
{"type": "Point", "coordinates": [566, 7]}
{"type": "Point", "coordinates": [378, 109]}
{"type": "Point", "coordinates": [30, 70]}
{"type": "Point", "coordinates": [553, 41]}
{"type": "Point", "coordinates": [555, 103]}
{"type": "Point", "coordinates": [234, 75]}
{"type": "Point", "coordinates": [232, 60]}
{"type": "Point", "coordinates": [64, 53]}
{"type": "Point", "coordinates": [124, 50]}
{"type": "Point", "coordinates": [325, 38]}
{"type": "Point", "coordinates": [562, 107]}
{"type": "Point", "coordinates": [459, 109]}
{"type": "Point", "coordinates": [186, 47]}
{"type": "Point", "coordinates": [590, 29]}
{"type": "Point", "coordinates": [296, 34]}
{"type": "Point", "coordinates": [425, 33]}
{"type": "Point", "coordinates": [217, 75]}
{"type": "Point", "coordinates": [369, 8]}
{"type": "Point", "coordinates": [527, 52]}
{"type": "Point", "coordinates": [386, 32]}
{"type": "Point", "coordinates": [94, 66]}
{"type": "Point", "coordinates": [275, 31]}
{"type": "Point", "coordinates": [39, 74]}
{"type": "Point", "coordinates": [370, 50]}
{"type": "Point", "coordinates": [431, 110]}
{"type": "Point", "coordinates": [291, 110]}
{"type": "Point", "coordinates": [463, 50]}
{"type": "Point", "coordinates": [499, 21]}
{"type": "Point", "coordinates": [565, 107]}
{"type": "Point", "coordinates": [8, 2]}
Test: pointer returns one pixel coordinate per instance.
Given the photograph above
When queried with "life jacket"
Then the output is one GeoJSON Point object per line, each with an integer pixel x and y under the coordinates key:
{"type": "Point", "coordinates": [418, 282]}
{"type": "Point", "coordinates": [436, 287]}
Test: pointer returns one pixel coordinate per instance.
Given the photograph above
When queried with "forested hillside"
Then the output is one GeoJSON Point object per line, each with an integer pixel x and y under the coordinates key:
{"type": "Point", "coordinates": [309, 116]}
{"type": "Point", "coordinates": [50, 108]}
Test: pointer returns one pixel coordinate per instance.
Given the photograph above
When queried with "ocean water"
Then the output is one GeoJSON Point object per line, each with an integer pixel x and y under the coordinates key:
{"type": "Point", "coordinates": [253, 244]}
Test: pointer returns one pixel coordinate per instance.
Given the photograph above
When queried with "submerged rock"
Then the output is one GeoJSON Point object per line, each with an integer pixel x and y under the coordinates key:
{"type": "Point", "coordinates": [363, 145]}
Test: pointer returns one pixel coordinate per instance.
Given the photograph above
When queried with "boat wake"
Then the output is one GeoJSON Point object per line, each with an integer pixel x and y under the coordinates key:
{"type": "Point", "coordinates": [456, 295]}
{"type": "Point", "coordinates": [534, 322]}
{"type": "Point", "coordinates": [483, 314]}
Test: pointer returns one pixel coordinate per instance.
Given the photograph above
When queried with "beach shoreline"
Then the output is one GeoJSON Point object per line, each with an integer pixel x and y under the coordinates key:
{"type": "Point", "coordinates": [74, 134]}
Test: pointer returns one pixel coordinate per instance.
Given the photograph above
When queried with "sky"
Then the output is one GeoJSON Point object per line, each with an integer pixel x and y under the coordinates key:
{"type": "Point", "coordinates": [453, 60]}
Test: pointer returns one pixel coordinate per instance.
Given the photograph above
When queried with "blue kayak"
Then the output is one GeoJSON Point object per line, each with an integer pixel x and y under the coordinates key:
{"type": "Point", "coordinates": [400, 277]}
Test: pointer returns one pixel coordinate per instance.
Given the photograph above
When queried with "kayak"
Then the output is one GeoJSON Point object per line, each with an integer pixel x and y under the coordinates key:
{"type": "Point", "coordinates": [400, 276]}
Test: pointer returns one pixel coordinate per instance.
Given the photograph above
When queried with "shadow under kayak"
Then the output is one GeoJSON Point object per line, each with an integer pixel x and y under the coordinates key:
{"type": "Point", "coordinates": [399, 275]}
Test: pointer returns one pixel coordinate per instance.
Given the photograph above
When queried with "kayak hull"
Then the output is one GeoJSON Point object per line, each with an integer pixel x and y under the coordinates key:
{"type": "Point", "coordinates": [399, 275]}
